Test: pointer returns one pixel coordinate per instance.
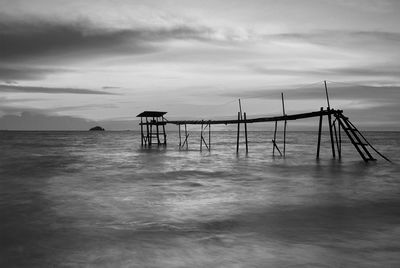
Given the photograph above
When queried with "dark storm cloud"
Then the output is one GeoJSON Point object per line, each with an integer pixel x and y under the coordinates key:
{"type": "Point", "coordinates": [50, 90]}
{"type": "Point", "coordinates": [37, 38]}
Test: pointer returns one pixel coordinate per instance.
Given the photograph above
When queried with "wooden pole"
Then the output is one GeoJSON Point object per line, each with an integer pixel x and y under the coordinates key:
{"type": "Point", "coordinates": [284, 127]}
{"type": "Point", "coordinates": [245, 133]}
{"type": "Point", "coordinates": [319, 132]}
{"type": "Point", "coordinates": [336, 139]}
{"type": "Point", "coordinates": [158, 132]}
{"type": "Point", "coordinates": [274, 140]}
{"type": "Point", "coordinates": [201, 138]}
{"type": "Point", "coordinates": [327, 96]}
{"type": "Point", "coordinates": [148, 131]}
{"type": "Point", "coordinates": [240, 109]}
{"type": "Point", "coordinates": [340, 136]}
{"type": "Point", "coordinates": [331, 132]}
{"type": "Point", "coordinates": [141, 129]}
{"type": "Point", "coordinates": [165, 135]}
{"type": "Point", "coordinates": [238, 133]}
{"type": "Point", "coordinates": [180, 136]}
{"type": "Point", "coordinates": [209, 137]}
{"type": "Point", "coordinates": [186, 137]}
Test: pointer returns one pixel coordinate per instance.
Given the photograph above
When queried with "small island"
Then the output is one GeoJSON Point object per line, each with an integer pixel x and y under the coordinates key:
{"type": "Point", "coordinates": [97, 128]}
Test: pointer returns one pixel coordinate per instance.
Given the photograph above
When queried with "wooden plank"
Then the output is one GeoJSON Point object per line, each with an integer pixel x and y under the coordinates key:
{"type": "Point", "coordinates": [254, 120]}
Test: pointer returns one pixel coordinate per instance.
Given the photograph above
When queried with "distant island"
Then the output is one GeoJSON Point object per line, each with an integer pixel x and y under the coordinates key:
{"type": "Point", "coordinates": [97, 128]}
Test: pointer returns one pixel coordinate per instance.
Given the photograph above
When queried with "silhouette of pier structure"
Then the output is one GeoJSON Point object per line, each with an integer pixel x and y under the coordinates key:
{"type": "Point", "coordinates": [152, 121]}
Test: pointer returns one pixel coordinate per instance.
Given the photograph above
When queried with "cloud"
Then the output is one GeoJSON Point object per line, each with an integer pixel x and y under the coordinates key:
{"type": "Point", "coordinates": [26, 73]}
{"type": "Point", "coordinates": [51, 90]}
{"type": "Point", "coordinates": [343, 38]}
{"type": "Point", "coordinates": [363, 71]}
{"type": "Point", "coordinates": [379, 95]}
{"type": "Point", "coordinates": [35, 38]}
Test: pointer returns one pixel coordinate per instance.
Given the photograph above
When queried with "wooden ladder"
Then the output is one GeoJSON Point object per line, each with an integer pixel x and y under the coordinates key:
{"type": "Point", "coordinates": [357, 139]}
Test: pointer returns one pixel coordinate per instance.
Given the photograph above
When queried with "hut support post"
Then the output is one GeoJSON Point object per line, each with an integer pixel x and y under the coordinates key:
{"type": "Point", "coordinates": [141, 129]}
{"type": "Point", "coordinates": [158, 132]}
{"type": "Point", "coordinates": [319, 132]}
{"type": "Point", "coordinates": [148, 132]}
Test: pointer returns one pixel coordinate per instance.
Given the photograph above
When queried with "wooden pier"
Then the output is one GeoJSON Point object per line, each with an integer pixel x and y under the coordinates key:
{"type": "Point", "coordinates": [152, 121]}
{"type": "Point", "coordinates": [152, 126]}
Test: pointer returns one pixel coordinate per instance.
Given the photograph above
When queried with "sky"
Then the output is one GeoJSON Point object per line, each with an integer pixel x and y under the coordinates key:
{"type": "Point", "coordinates": [71, 64]}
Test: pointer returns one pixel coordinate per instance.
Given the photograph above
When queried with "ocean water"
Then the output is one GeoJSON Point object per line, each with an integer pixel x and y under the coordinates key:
{"type": "Point", "coordinates": [97, 199]}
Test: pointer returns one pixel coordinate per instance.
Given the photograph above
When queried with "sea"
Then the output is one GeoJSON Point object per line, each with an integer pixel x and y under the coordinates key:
{"type": "Point", "coordinates": [99, 199]}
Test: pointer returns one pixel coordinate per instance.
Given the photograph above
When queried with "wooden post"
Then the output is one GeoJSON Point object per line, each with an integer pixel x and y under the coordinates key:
{"type": "Point", "coordinates": [186, 137]}
{"type": "Point", "coordinates": [141, 129]}
{"type": "Point", "coordinates": [158, 133]}
{"type": "Point", "coordinates": [238, 133]}
{"type": "Point", "coordinates": [165, 134]}
{"type": "Point", "coordinates": [180, 136]}
{"type": "Point", "coordinates": [240, 110]}
{"type": "Point", "coordinates": [340, 137]}
{"type": "Point", "coordinates": [274, 140]}
{"type": "Point", "coordinates": [327, 96]}
{"type": "Point", "coordinates": [331, 132]}
{"type": "Point", "coordinates": [209, 137]}
{"type": "Point", "coordinates": [284, 127]}
{"type": "Point", "coordinates": [319, 132]}
{"type": "Point", "coordinates": [148, 131]}
{"type": "Point", "coordinates": [245, 133]}
{"type": "Point", "coordinates": [201, 138]}
{"type": "Point", "coordinates": [336, 139]}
